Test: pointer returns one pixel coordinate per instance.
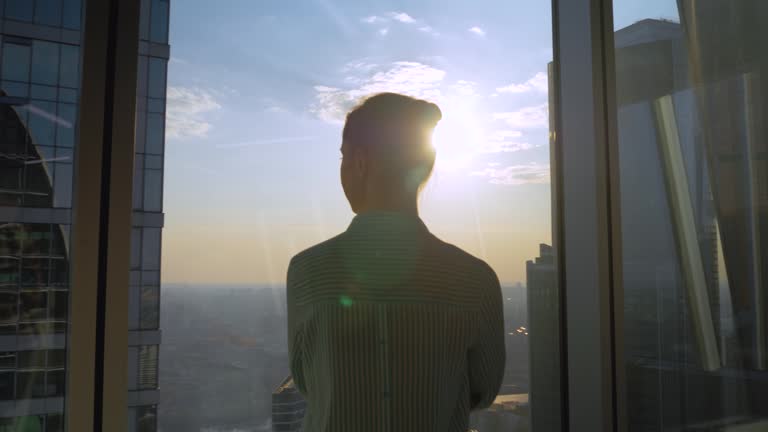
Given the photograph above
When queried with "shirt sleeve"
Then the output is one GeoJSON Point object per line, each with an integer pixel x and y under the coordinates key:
{"type": "Point", "coordinates": [295, 340]}
{"type": "Point", "coordinates": [487, 356]}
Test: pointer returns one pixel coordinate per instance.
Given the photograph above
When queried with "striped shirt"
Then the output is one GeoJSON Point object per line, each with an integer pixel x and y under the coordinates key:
{"type": "Point", "coordinates": [391, 329]}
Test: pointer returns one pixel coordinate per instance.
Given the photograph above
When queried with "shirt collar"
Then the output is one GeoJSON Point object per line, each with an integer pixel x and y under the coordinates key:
{"type": "Point", "coordinates": [387, 222]}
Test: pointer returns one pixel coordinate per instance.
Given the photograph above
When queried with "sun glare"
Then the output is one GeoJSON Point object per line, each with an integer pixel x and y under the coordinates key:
{"type": "Point", "coordinates": [457, 137]}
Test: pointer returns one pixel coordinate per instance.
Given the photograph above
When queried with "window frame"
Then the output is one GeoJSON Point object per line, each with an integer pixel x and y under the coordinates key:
{"type": "Point", "coordinates": [102, 211]}
{"type": "Point", "coordinates": [587, 235]}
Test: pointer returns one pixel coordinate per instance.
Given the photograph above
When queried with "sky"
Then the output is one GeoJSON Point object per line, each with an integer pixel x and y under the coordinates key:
{"type": "Point", "coordinates": [257, 94]}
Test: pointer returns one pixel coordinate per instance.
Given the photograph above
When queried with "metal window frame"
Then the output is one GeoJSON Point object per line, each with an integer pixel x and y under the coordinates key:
{"type": "Point", "coordinates": [96, 381]}
{"type": "Point", "coordinates": [588, 229]}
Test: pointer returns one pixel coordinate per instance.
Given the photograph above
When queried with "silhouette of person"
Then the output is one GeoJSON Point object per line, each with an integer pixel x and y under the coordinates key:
{"type": "Point", "coordinates": [391, 329]}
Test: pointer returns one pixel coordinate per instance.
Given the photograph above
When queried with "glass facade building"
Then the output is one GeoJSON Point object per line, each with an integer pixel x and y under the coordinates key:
{"type": "Point", "coordinates": [144, 290]}
{"type": "Point", "coordinates": [40, 81]}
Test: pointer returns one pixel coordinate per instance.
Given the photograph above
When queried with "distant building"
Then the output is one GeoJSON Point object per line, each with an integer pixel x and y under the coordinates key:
{"type": "Point", "coordinates": [288, 407]}
{"type": "Point", "coordinates": [508, 413]}
{"type": "Point", "coordinates": [543, 327]}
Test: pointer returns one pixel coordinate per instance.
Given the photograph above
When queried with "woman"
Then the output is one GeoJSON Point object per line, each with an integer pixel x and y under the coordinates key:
{"type": "Point", "coordinates": [391, 329]}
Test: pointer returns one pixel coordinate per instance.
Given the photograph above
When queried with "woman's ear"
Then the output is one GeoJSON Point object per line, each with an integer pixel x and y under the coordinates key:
{"type": "Point", "coordinates": [361, 165]}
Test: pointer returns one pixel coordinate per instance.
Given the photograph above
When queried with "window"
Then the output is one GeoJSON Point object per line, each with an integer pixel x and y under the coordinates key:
{"type": "Point", "coordinates": [150, 255]}
{"type": "Point", "coordinates": [157, 71]}
{"type": "Point", "coordinates": [7, 383]}
{"type": "Point", "coordinates": [71, 14]}
{"type": "Point", "coordinates": [58, 305]}
{"type": "Point", "coordinates": [54, 423]}
{"type": "Point", "coordinates": [30, 384]}
{"type": "Point", "coordinates": [70, 66]}
{"type": "Point", "coordinates": [247, 163]}
{"type": "Point", "coordinates": [65, 128]}
{"type": "Point", "coordinates": [147, 374]}
{"type": "Point", "coordinates": [31, 359]}
{"type": "Point", "coordinates": [159, 25]}
{"type": "Point", "coordinates": [691, 199]}
{"type": "Point", "coordinates": [16, 58]}
{"type": "Point", "coordinates": [150, 307]}
{"type": "Point", "coordinates": [153, 188]}
{"type": "Point", "coordinates": [48, 12]}
{"type": "Point", "coordinates": [155, 133]}
{"type": "Point", "coordinates": [45, 62]}
{"type": "Point", "coordinates": [19, 9]}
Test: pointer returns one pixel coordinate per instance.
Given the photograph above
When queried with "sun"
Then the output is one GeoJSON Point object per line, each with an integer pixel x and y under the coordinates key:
{"type": "Point", "coordinates": [458, 136]}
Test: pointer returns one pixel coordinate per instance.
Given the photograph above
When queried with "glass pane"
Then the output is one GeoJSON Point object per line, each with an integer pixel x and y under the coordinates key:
{"type": "Point", "coordinates": [19, 9]}
{"type": "Point", "coordinates": [253, 126]}
{"type": "Point", "coordinates": [72, 14]}
{"type": "Point", "coordinates": [7, 384]}
{"type": "Point", "coordinates": [692, 161]}
{"type": "Point", "coordinates": [157, 71]}
{"type": "Point", "coordinates": [148, 367]}
{"type": "Point", "coordinates": [45, 63]}
{"type": "Point", "coordinates": [146, 419]}
{"type": "Point", "coordinates": [146, 9]}
{"type": "Point", "coordinates": [48, 12]}
{"type": "Point", "coordinates": [16, 60]}
{"type": "Point", "coordinates": [42, 128]}
{"type": "Point", "coordinates": [63, 187]}
{"type": "Point", "coordinates": [155, 133]}
{"type": "Point", "coordinates": [37, 144]}
{"type": "Point", "coordinates": [70, 66]}
{"type": "Point", "coordinates": [65, 127]}
{"type": "Point", "coordinates": [150, 307]}
{"type": "Point", "coordinates": [159, 27]}
{"type": "Point", "coordinates": [153, 188]}
{"type": "Point", "coordinates": [150, 249]}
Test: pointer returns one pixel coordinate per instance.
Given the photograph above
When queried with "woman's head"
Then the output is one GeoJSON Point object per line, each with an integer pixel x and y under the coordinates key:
{"type": "Point", "coordinates": [387, 152]}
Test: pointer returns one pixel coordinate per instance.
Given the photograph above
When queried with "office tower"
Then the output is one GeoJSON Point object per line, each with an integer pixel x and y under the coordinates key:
{"type": "Point", "coordinates": [40, 81]}
{"type": "Point", "coordinates": [144, 297]}
{"type": "Point", "coordinates": [288, 407]}
{"type": "Point", "coordinates": [39, 92]}
{"type": "Point", "coordinates": [543, 328]}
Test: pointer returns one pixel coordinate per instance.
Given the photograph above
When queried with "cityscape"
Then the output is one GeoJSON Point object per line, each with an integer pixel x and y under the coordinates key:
{"type": "Point", "coordinates": [224, 360]}
{"type": "Point", "coordinates": [210, 355]}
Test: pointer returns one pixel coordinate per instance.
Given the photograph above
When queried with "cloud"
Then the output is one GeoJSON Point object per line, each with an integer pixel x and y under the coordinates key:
{"type": "Point", "coordinates": [531, 173]}
{"type": "Point", "coordinates": [282, 140]}
{"type": "Point", "coordinates": [465, 88]}
{"type": "Point", "coordinates": [477, 30]}
{"type": "Point", "coordinates": [539, 82]}
{"type": "Point", "coordinates": [526, 118]}
{"type": "Point", "coordinates": [185, 111]}
{"type": "Point", "coordinates": [373, 19]}
{"type": "Point", "coordinates": [399, 17]}
{"type": "Point", "coordinates": [411, 78]}
{"type": "Point", "coordinates": [402, 17]}
{"type": "Point", "coordinates": [500, 142]}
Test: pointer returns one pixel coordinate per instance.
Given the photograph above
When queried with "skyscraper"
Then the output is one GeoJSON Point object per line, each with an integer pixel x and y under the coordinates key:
{"type": "Point", "coordinates": [40, 81]}
{"type": "Point", "coordinates": [39, 93]}
{"type": "Point", "coordinates": [144, 299]}
{"type": "Point", "coordinates": [288, 407]}
{"type": "Point", "coordinates": [543, 327]}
